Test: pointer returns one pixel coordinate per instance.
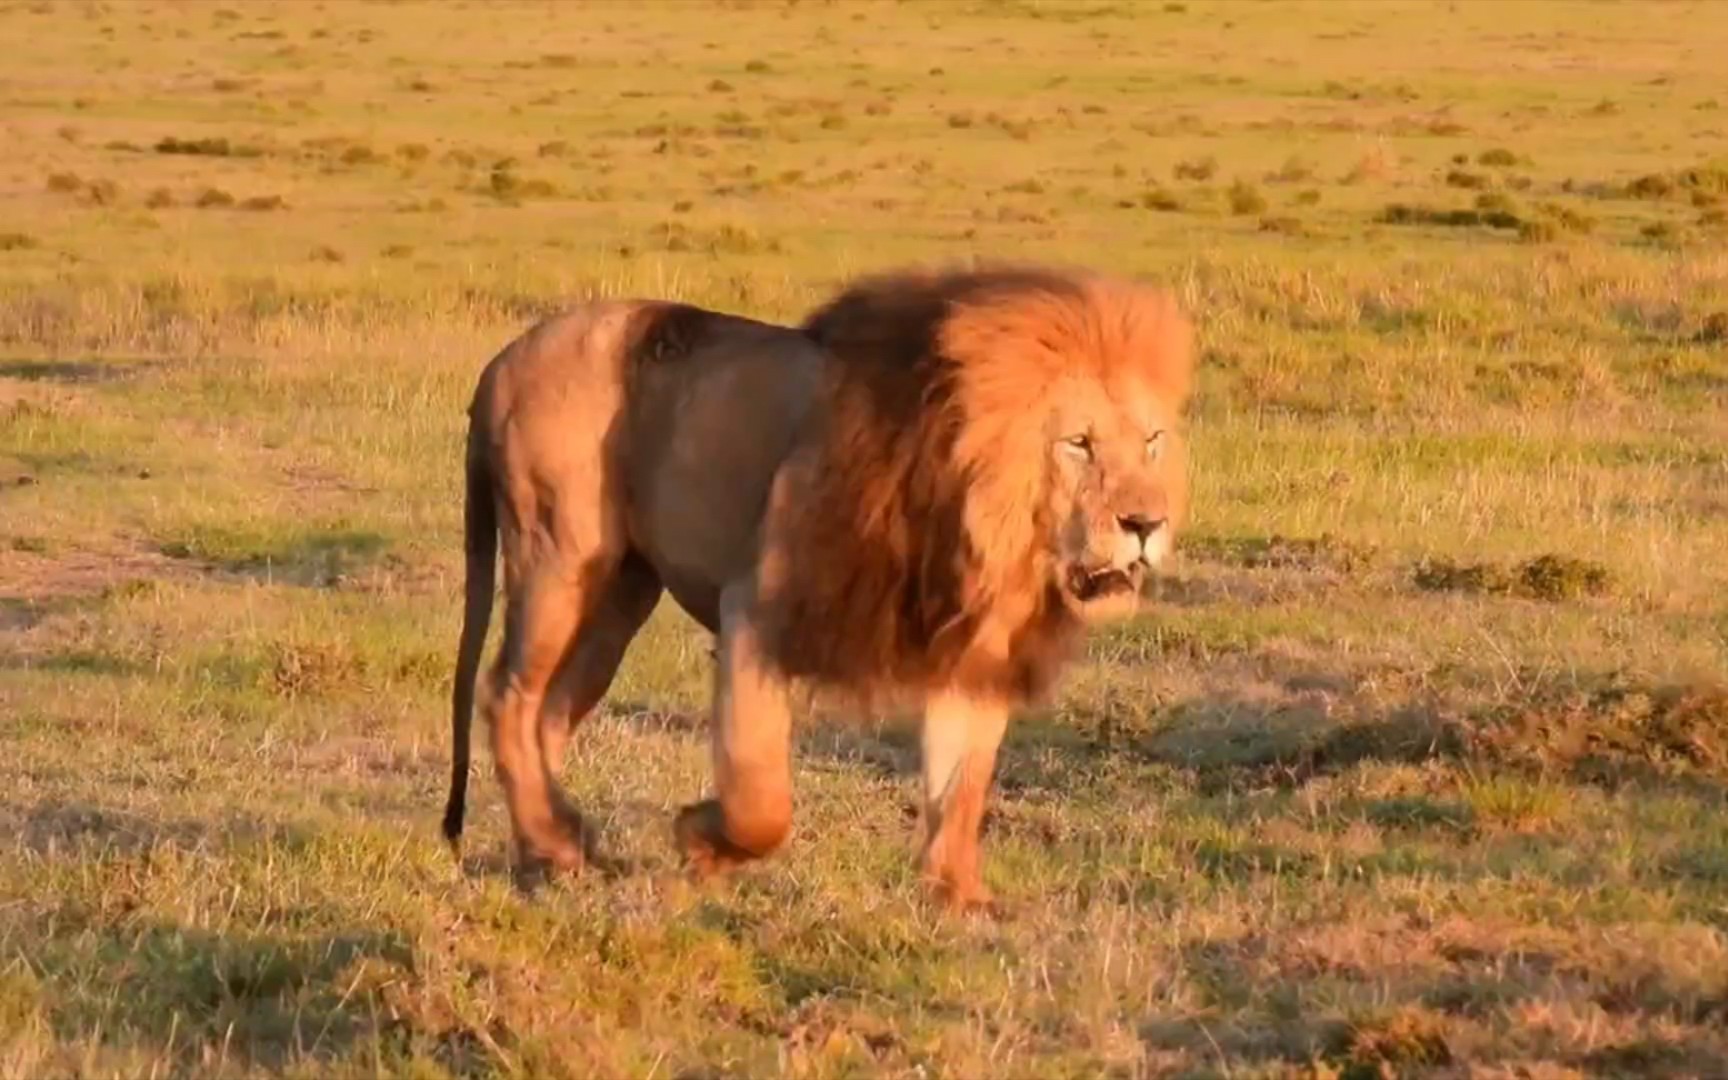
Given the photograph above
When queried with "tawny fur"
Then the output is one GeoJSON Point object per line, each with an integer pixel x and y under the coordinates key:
{"type": "Point", "coordinates": [879, 502]}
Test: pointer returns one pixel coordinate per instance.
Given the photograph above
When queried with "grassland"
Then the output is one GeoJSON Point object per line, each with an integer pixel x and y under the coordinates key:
{"type": "Point", "coordinates": [1418, 766]}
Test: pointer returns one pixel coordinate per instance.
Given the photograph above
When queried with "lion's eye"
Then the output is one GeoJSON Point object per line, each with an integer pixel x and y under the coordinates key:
{"type": "Point", "coordinates": [1078, 446]}
{"type": "Point", "coordinates": [1155, 445]}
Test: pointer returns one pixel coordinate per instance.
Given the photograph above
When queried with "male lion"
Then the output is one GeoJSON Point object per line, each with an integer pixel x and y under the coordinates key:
{"type": "Point", "coordinates": [927, 489]}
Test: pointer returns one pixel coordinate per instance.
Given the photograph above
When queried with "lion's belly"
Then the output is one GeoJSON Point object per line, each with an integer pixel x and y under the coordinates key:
{"type": "Point", "coordinates": [704, 450]}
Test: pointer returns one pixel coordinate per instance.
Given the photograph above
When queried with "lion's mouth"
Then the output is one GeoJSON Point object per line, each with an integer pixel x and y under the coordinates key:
{"type": "Point", "coordinates": [1110, 581]}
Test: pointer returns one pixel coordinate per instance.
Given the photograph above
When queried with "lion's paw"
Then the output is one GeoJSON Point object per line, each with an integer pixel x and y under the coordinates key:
{"type": "Point", "coordinates": [971, 899]}
{"type": "Point", "coordinates": [700, 839]}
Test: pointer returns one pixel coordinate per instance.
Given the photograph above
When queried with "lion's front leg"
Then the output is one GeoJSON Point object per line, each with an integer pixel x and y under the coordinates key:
{"type": "Point", "coordinates": [961, 736]}
{"type": "Point", "coordinates": [750, 814]}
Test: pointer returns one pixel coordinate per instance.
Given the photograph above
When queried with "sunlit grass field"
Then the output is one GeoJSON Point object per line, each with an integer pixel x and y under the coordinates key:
{"type": "Point", "coordinates": [1417, 763]}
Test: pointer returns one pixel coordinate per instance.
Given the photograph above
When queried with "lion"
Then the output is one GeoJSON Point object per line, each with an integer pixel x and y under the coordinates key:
{"type": "Point", "coordinates": [926, 491]}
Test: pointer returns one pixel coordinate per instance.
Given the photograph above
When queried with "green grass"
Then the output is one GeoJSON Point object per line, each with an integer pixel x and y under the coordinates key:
{"type": "Point", "coordinates": [1416, 765]}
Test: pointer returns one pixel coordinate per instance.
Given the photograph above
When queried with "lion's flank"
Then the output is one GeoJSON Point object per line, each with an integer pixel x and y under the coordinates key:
{"type": "Point", "coordinates": [917, 555]}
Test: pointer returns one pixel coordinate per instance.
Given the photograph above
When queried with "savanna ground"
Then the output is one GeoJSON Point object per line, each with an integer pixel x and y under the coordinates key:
{"type": "Point", "coordinates": [1418, 764]}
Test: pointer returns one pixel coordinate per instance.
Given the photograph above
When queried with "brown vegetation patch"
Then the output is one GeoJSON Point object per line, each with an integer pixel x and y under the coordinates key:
{"type": "Point", "coordinates": [1545, 577]}
{"type": "Point", "coordinates": [1325, 552]}
{"type": "Point", "coordinates": [1619, 731]}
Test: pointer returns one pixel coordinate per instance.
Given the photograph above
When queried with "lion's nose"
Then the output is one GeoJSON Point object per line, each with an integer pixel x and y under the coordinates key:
{"type": "Point", "coordinates": [1141, 526]}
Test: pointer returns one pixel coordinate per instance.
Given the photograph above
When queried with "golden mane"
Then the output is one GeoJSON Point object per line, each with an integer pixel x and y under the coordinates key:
{"type": "Point", "coordinates": [918, 555]}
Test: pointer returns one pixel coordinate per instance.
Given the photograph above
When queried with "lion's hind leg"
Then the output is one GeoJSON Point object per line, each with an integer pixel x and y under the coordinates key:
{"type": "Point", "coordinates": [542, 619]}
{"type": "Point", "coordinates": [596, 651]}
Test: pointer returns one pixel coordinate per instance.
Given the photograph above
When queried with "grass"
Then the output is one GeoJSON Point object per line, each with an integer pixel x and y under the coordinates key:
{"type": "Point", "coordinates": [1415, 766]}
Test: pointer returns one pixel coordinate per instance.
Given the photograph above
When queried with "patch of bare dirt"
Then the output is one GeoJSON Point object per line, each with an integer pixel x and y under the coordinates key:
{"type": "Point", "coordinates": [34, 583]}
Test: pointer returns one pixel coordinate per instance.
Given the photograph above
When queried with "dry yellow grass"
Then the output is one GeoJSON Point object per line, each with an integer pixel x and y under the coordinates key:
{"type": "Point", "coordinates": [1356, 797]}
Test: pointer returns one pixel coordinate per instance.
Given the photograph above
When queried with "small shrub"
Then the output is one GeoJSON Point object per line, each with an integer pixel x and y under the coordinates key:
{"type": "Point", "coordinates": [758, 67]}
{"type": "Point", "coordinates": [206, 147]}
{"type": "Point", "coordinates": [558, 60]}
{"type": "Point", "coordinates": [878, 108]}
{"type": "Point", "coordinates": [1295, 170]}
{"type": "Point", "coordinates": [159, 199]}
{"type": "Point", "coordinates": [213, 198]}
{"type": "Point", "coordinates": [263, 203]}
{"type": "Point", "coordinates": [1546, 577]}
{"type": "Point", "coordinates": [1160, 198]}
{"type": "Point", "coordinates": [413, 152]}
{"type": "Point", "coordinates": [1405, 214]}
{"type": "Point", "coordinates": [1025, 187]}
{"type": "Point", "coordinates": [65, 182]}
{"type": "Point", "coordinates": [1201, 169]}
{"type": "Point", "coordinates": [1498, 158]}
{"type": "Point", "coordinates": [397, 251]}
{"type": "Point", "coordinates": [833, 122]}
{"type": "Point", "coordinates": [1460, 178]}
{"type": "Point", "coordinates": [1497, 200]}
{"type": "Point", "coordinates": [960, 120]}
{"type": "Point", "coordinates": [1245, 198]}
{"type": "Point", "coordinates": [720, 86]}
{"type": "Point", "coordinates": [16, 241]}
{"type": "Point", "coordinates": [326, 254]}
{"type": "Point", "coordinates": [505, 185]}
{"type": "Point", "coordinates": [1284, 226]}
{"type": "Point", "coordinates": [1653, 186]}
{"type": "Point", "coordinates": [1310, 197]}
{"type": "Point", "coordinates": [1663, 233]}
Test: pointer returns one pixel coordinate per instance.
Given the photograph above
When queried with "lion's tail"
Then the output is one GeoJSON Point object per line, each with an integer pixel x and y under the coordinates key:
{"type": "Point", "coordinates": [480, 539]}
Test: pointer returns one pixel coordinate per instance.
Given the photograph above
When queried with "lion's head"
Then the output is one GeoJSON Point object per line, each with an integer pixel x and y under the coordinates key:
{"type": "Point", "coordinates": [999, 461]}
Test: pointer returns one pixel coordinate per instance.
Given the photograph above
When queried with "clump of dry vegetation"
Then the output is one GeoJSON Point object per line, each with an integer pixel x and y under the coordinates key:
{"type": "Point", "coordinates": [207, 146]}
{"type": "Point", "coordinates": [1616, 732]}
{"type": "Point", "coordinates": [1545, 577]}
{"type": "Point", "coordinates": [1456, 217]}
{"type": "Point", "coordinates": [1200, 169]}
{"type": "Point", "coordinates": [1245, 199]}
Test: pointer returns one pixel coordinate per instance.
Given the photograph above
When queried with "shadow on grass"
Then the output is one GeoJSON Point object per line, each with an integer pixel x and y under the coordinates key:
{"type": "Point", "coordinates": [203, 998]}
{"type": "Point", "coordinates": [74, 828]}
{"type": "Point", "coordinates": [262, 999]}
{"type": "Point", "coordinates": [309, 557]}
